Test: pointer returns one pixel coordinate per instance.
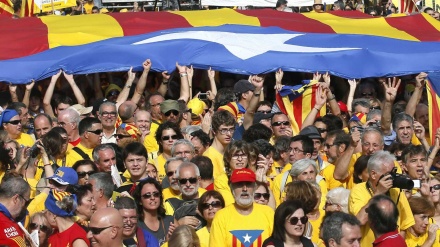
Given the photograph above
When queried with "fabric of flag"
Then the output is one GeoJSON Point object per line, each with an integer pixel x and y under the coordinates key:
{"type": "Point", "coordinates": [406, 6]}
{"type": "Point", "coordinates": [246, 238]}
{"type": "Point", "coordinates": [28, 36]}
{"type": "Point", "coordinates": [6, 8]}
{"type": "Point", "coordinates": [434, 109]}
{"type": "Point", "coordinates": [297, 102]}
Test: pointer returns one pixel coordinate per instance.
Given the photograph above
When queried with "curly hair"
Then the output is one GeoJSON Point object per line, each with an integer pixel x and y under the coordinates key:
{"type": "Point", "coordinates": [164, 126]}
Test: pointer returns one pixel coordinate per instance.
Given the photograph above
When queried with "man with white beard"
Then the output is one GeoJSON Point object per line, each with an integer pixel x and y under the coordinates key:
{"type": "Point", "coordinates": [184, 206]}
{"type": "Point", "coordinates": [244, 221]}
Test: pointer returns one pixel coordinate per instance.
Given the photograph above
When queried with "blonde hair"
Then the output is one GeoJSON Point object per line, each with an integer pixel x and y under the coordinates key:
{"type": "Point", "coordinates": [184, 236]}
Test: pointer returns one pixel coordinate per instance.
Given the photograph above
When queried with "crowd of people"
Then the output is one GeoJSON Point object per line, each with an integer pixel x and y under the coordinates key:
{"type": "Point", "coordinates": [203, 158]}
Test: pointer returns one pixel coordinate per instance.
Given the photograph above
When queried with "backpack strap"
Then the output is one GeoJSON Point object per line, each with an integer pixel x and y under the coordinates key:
{"type": "Point", "coordinates": [283, 182]}
{"type": "Point", "coordinates": [175, 203]}
{"type": "Point", "coordinates": [81, 153]}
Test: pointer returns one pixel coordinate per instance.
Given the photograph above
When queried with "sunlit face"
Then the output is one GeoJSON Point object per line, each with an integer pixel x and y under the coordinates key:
{"type": "Point", "coordinates": [143, 121]}
{"type": "Point", "coordinates": [281, 125]}
{"type": "Point", "coordinates": [95, 139]}
{"type": "Point", "coordinates": [169, 136]}
{"type": "Point", "coordinates": [171, 169]}
{"type": "Point", "coordinates": [85, 171]}
{"type": "Point", "coordinates": [371, 143]}
{"type": "Point", "coordinates": [296, 152]}
{"type": "Point", "coordinates": [87, 207]}
{"type": "Point", "coordinates": [351, 237]}
{"type": "Point", "coordinates": [331, 150]}
{"type": "Point", "coordinates": [107, 159]}
{"type": "Point", "coordinates": [243, 193]}
{"type": "Point", "coordinates": [239, 160]}
{"type": "Point", "coordinates": [404, 132]}
{"type": "Point", "coordinates": [13, 128]}
{"type": "Point", "coordinates": [184, 151]}
{"type": "Point", "coordinates": [151, 203]}
{"type": "Point", "coordinates": [199, 149]}
{"type": "Point", "coordinates": [261, 192]}
{"type": "Point", "coordinates": [188, 188]}
{"type": "Point", "coordinates": [224, 134]}
{"type": "Point", "coordinates": [64, 122]}
{"type": "Point", "coordinates": [434, 192]}
{"type": "Point", "coordinates": [155, 106]}
{"type": "Point", "coordinates": [151, 171]}
{"type": "Point", "coordinates": [129, 218]}
{"type": "Point", "coordinates": [415, 165]}
{"type": "Point", "coordinates": [422, 116]}
{"type": "Point", "coordinates": [309, 174]}
{"type": "Point", "coordinates": [108, 116]}
{"type": "Point", "coordinates": [209, 213]}
{"type": "Point", "coordinates": [41, 126]}
{"type": "Point", "coordinates": [296, 230]}
{"type": "Point", "coordinates": [24, 116]}
{"type": "Point", "coordinates": [136, 165]}
{"type": "Point", "coordinates": [361, 109]}
{"type": "Point", "coordinates": [422, 223]}
{"type": "Point", "coordinates": [40, 224]}
{"type": "Point", "coordinates": [316, 147]}
{"type": "Point", "coordinates": [61, 107]}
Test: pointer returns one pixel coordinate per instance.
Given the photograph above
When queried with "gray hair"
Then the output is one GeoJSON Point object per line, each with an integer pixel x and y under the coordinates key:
{"type": "Point", "coordinates": [377, 160]}
{"type": "Point", "coordinates": [190, 129]}
{"type": "Point", "coordinates": [107, 103]}
{"type": "Point", "coordinates": [331, 228]}
{"type": "Point", "coordinates": [398, 118]}
{"type": "Point", "coordinates": [101, 147]}
{"type": "Point", "coordinates": [104, 182]}
{"type": "Point", "coordinates": [12, 185]}
{"type": "Point", "coordinates": [371, 114]}
{"type": "Point", "coordinates": [188, 164]}
{"type": "Point", "coordinates": [339, 196]}
{"type": "Point", "coordinates": [372, 130]}
{"type": "Point", "coordinates": [299, 166]}
{"type": "Point", "coordinates": [169, 160]}
{"type": "Point", "coordinates": [362, 102]}
{"type": "Point", "coordinates": [72, 115]}
{"type": "Point", "coordinates": [184, 142]}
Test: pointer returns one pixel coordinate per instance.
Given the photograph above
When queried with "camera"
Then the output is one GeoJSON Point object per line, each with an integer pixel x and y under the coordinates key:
{"type": "Point", "coordinates": [359, 128]}
{"type": "Point", "coordinates": [33, 151]}
{"type": "Point", "coordinates": [400, 181]}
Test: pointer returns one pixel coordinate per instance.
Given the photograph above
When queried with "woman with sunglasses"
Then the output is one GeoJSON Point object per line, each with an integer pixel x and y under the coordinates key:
{"type": "Point", "coordinates": [434, 196]}
{"type": "Point", "coordinates": [167, 133]}
{"type": "Point", "coordinates": [209, 203]}
{"type": "Point", "coordinates": [39, 223]}
{"type": "Point", "coordinates": [289, 225]}
{"type": "Point", "coordinates": [262, 194]}
{"type": "Point", "coordinates": [84, 168]}
{"type": "Point", "coordinates": [152, 217]}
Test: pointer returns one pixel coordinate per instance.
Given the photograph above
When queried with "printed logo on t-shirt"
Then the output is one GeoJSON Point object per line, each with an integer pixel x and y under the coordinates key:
{"type": "Point", "coordinates": [246, 238]}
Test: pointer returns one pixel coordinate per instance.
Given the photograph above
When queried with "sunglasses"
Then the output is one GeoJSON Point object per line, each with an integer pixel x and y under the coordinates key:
{"type": "Point", "coordinates": [98, 230]}
{"type": "Point", "coordinates": [166, 138]}
{"type": "Point", "coordinates": [294, 220]}
{"type": "Point", "coordinates": [279, 123]}
{"type": "Point", "coordinates": [121, 136]}
{"type": "Point", "coordinates": [155, 194]}
{"type": "Point", "coordinates": [171, 173]}
{"type": "Point", "coordinates": [265, 112]}
{"type": "Point", "coordinates": [84, 174]}
{"type": "Point", "coordinates": [15, 122]}
{"type": "Point", "coordinates": [367, 94]}
{"type": "Point", "coordinates": [96, 132]}
{"type": "Point", "coordinates": [435, 187]}
{"type": "Point", "coordinates": [174, 112]}
{"type": "Point", "coordinates": [214, 204]}
{"type": "Point", "coordinates": [185, 180]}
{"type": "Point", "coordinates": [26, 202]}
{"type": "Point", "coordinates": [320, 130]}
{"type": "Point", "coordinates": [257, 196]}
{"type": "Point", "coordinates": [43, 228]}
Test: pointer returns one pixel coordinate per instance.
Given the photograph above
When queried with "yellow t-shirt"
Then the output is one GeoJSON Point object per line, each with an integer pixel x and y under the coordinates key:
{"type": "Point", "coordinates": [159, 162]}
{"type": "Point", "coordinates": [217, 160]}
{"type": "Point", "coordinates": [88, 7]}
{"type": "Point", "coordinates": [203, 235]}
{"type": "Point", "coordinates": [221, 184]}
{"type": "Point", "coordinates": [232, 229]}
{"type": "Point", "coordinates": [315, 226]}
{"type": "Point", "coordinates": [150, 142]}
{"type": "Point", "coordinates": [37, 205]}
{"type": "Point", "coordinates": [169, 193]}
{"type": "Point", "coordinates": [71, 158]}
{"type": "Point", "coordinates": [25, 140]}
{"type": "Point", "coordinates": [170, 210]}
{"type": "Point", "coordinates": [327, 173]}
{"type": "Point", "coordinates": [88, 151]}
{"type": "Point", "coordinates": [413, 241]}
{"type": "Point", "coordinates": [360, 196]}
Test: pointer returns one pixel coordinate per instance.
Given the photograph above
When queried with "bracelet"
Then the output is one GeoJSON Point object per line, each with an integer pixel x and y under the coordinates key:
{"type": "Point", "coordinates": [183, 74]}
{"type": "Point", "coordinates": [331, 98]}
{"type": "Point", "coordinates": [430, 158]}
{"type": "Point", "coordinates": [47, 165]}
{"type": "Point", "coordinates": [316, 109]}
{"type": "Point", "coordinates": [164, 82]}
{"type": "Point", "coordinates": [257, 94]}
{"type": "Point", "coordinates": [128, 86]}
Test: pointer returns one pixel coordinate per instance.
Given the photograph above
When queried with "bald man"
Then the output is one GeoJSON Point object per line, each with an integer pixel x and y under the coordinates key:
{"type": "Point", "coordinates": [105, 228]}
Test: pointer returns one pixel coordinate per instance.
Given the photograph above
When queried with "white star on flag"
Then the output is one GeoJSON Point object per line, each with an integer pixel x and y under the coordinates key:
{"type": "Point", "coordinates": [247, 238]}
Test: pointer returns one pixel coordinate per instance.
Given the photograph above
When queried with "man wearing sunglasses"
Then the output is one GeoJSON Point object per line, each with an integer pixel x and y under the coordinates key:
{"type": "Point", "coordinates": [171, 111]}
{"type": "Point", "coordinates": [105, 228]}
{"type": "Point", "coordinates": [14, 198]}
{"type": "Point", "coordinates": [90, 131]}
{"type": "Point", "coordinates": [281, 125]}
{"type": "Point", "coordinates": [244, 221]}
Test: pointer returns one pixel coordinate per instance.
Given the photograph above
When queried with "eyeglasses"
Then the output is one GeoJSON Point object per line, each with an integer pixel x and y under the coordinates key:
{"type": "Point", "coordinates": [328, 146]}
{"type": "Point", "coordinates": [166, 138]}
{"type": "Point", "coordinates": [26, 202]}
{"type": "Point", "coordinates": [98, 230]}
{"type": "Point", "coordinates": [213, 204]}
{"type": "Point", "coordinates": [435, 187]}
{"type": "Point", "coordinates": [121, 136]}
{"type": "Point", "coordinates": [171, 173]}
{"type": "Point", "coordinates": [155, 194]}
{"type": "Point", "coordinates": [257, 196]}
{"type": "Point", "coordinates": [96, 132]}
{"type": "Point", "coordinates": [185, 180]}
{"type": "Point", "coordinates": [242, 156]}
{"type": "Point", "coordinates": [279, 123]}
{"type": "Point", "coordinates": [226, 131]}
{"type": "Point", "coordinates": [15, 122]}
{"type": "Point", "coordinates": [108, 114]}
{"type": "Point", "coordinates": [174, 112]}
{"type": "Point", "coordinates": [294, 220]}
{"type": "Point", "coordinates": [84, 174]}
{"type": "Point", "coordinates": [320, 130]}
{"type": "Point", "coordinates": [375, 108]}
{"type": "Point", "coordinates": [295, 150]}
{"type": "Point", "coordinates": [265, 112]}
{"type": "Point", "coordinates": [43, 228]}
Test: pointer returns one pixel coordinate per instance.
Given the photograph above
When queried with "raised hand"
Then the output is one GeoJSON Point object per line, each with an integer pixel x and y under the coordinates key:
{"type": "Point", "coordinates": [211, 73]}
{"type": "Point", "coordinates": [181, 68]}
{"type": "Point", "coordinates": [147, 64]}
{"type": "Point", "coordinates": [420, 79]}
{"type": "Point", "coordinates": [326, 83]}
{"type": "Point", "coordinates": [391, 89]}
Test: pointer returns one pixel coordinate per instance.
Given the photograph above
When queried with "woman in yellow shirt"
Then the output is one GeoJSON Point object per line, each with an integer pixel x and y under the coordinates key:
{"type": "Point", "coordinates": [209, 203]}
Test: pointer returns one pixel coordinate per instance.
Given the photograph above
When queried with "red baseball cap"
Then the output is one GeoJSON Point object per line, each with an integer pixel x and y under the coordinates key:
{"type": "Point", "coordinates": [243, 175]}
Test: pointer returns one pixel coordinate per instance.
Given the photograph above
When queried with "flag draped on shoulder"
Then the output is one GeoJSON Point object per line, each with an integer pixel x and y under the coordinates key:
{"type": "Point", "coordinates": [297, 102]}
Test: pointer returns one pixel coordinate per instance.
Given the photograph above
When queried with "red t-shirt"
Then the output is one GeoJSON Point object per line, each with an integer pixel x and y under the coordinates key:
{"type": "Point", "coordinates": [10, 232]}
{"type": "Point", "coordinates": [210, 187]}
{"type": "Point", "coordinates": [75, 143]}
{"type": "Point", "coordinates": [67, 237]}
{"type": "Point", "coordinates": [393, 239]}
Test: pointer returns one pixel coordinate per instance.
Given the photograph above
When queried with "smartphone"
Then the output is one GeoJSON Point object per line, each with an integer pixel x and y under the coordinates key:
{"type": "Point", "coordinates": [203, 96]}
{"type": "Point", "coordinates": [416, 183]}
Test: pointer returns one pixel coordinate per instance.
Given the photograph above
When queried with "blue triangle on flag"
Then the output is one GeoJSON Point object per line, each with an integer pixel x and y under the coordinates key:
{"type": "Point", "coordinates": [246, 237]}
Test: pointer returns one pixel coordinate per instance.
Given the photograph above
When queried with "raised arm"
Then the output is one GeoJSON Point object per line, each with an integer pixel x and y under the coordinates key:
{"type": "Point", "coordinates": [184, 83]}
{"type": "Point", "coordinates": [334, 107]}
{"type": "Point", "coordinates": [140, 86]}
{"type": "Point", "coordinates": [320, 99]}
{"type": "Point", "coordinates": [97, 86]}
{"type": "Point", "coordinates": [13, 92]}
{"type": "Point", "coordinates": [248, 118]}
{"type": "Point", "coordinates": [353, 84]}
{"type": "Point", "coordinates": [190, 72]}
{"type": "Point", "coordinates": [390, 95]}
{"type": "Point", "coordinates": [76, 91]}
{"type": "Point", "coordinates": [27, 93]}
{"type": "Point", "coordinates": [417, 94]}
{"type": "Point", "coordinates": [164, 85]}
{"type": "Point", "coordinates": [342, 163]}
{"type": "Point", "coordinates": [123, 96]}
{"type": "Point", "coordinates": [49, 93]}
{"type": "Point", "coordinates": [211, 76]}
